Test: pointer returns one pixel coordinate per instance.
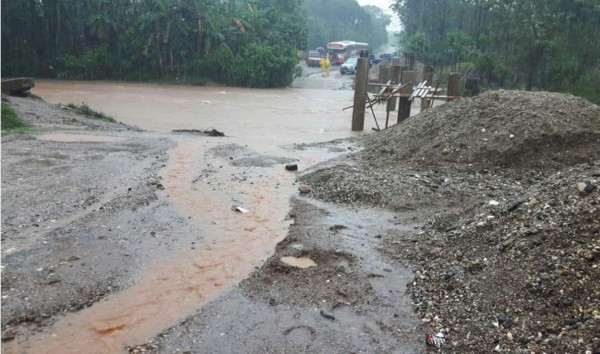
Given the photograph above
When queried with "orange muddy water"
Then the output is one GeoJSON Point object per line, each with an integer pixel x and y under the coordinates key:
{"type": "Point", "coordinates": [234, 243]}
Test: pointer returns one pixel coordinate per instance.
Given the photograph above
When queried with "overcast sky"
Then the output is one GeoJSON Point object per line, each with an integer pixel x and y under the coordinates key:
{"type": "Point", "coordinates": [385, 5]}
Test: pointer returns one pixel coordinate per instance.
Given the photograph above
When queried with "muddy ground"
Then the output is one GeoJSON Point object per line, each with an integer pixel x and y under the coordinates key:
{"type": "Point", "coordinates": [80, 219]}
{"type": "Point", "coordinates": [478, 222]}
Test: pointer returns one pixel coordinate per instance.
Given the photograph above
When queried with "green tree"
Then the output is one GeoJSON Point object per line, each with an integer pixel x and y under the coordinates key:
{"type": "Point", "coordinates": [345, 20]}
{"type": "Point", "coordinates": [534, 44]}
{"type": "Point", "coordinates": [153, 39]}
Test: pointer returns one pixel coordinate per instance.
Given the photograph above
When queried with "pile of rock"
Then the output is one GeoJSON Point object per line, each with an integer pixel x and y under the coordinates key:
{"type": "Point", "coordinates": [508, 182]}
{"type": "Point", "coordinates": [528, 130]}
{"type": "Point", "coordinates": [514, 273]}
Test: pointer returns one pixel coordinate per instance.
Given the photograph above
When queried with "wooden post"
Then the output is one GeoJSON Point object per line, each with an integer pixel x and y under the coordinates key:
{"type": "Point", "coordinates": [404, 106]}
{"type": "Point", "coordinates": [360, 92]}
{"type": "Point", "coordinates": [384, 73]}
{"type": "Point", "coordinates": [391, 102]}
{"type": "Point", "coordinates": [424, 103]}
{"type": "Point", "coordinates": [395, 80]}
{"type": "Point", "coordinates": [454, 84]}
{"type": "Point", "coordinates": [428, 75]}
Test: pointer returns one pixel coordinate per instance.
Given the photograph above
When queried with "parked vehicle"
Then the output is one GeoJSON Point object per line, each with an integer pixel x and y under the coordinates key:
{"type": "Point", "coordinates": [340, 51]}
{"type": "Point", "coordinates": [349, 66]}
{"type": "Point", "coordinates": [386, 56]}
{"type": "Point", "coordinates": [375, 60]}
{"type": "Point", "coordinates": [313, 58]}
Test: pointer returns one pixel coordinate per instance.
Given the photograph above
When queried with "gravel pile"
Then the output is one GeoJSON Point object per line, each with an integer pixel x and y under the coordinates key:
{"type": "Point", "coordinates": [508, 183]}
{"type": "Point", "coordinates": [496, 129]}
{"type": "Point", "coordinates": [513, 274]}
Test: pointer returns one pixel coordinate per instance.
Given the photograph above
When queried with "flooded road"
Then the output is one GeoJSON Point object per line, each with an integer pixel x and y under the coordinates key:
{"type": "Point", "coordinates": [202, 181]}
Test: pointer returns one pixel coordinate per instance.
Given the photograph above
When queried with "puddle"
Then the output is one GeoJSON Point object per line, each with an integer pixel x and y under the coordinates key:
{"type": "Point", "coordinates": [78, 138]}
{"type": "Point", "coordinates": [300, 262]}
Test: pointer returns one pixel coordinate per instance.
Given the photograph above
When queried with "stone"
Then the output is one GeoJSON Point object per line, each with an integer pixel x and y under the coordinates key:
{"type": "Point", "coordinates": [304, 189]}
{"type": "Point", "coordinates": [475, 267]}
{"type": "Point", "coordinates": [17, 85]}
{"type": "Point", "coordinates": [53, 279]}
{"type": "Point", "coordinates": [8, 334]}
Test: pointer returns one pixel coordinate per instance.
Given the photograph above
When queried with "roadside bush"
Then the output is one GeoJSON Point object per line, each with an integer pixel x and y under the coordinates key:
{"type": "Point", "coordinates": [10, 120]}
{"type": "Point", "coordinates": [269, 66]}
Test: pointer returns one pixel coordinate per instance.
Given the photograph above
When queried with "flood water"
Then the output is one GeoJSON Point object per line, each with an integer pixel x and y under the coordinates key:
{"type": "Point", "coordinates": [234, 243]}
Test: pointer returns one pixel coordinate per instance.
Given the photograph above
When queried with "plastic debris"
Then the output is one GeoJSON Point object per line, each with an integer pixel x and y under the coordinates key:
{"type": "Point", "coordinates": [434, 340]}
{"type": "Point", "coordinates": [585, 188]}
{"type": "Point", "coordinates": [239, 209]}
{"type": "Point", "coordinates": [327, 315]}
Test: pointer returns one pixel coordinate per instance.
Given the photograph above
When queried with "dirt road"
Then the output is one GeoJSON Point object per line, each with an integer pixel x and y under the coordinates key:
{"type": "Point", "coordinates": [112, 235]}
{"type": "Point", "coordinates": [117, 239]}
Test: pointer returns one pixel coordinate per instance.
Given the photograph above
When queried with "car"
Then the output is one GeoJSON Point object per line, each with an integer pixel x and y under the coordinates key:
{"type": "Point", "coordinates": [349, 66]}
{"type": "Point", "coordinates": [386, 56]}
{"type": "Point", "coordinates": [313, 58]}
{"type": "Point", "coordinates": [375, 60]}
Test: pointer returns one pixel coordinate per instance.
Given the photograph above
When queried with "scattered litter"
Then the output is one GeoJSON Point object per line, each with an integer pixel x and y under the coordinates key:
{"type": "Point", "coordinates": [585, 188]}
{"type": "Point", "coordinates": [434, 340]}
{"type": "Point", "coordinates": [327, 315]}
{"type": "Point", "coordinates": [291, 167]}
{"type": "Point", "coordinates": [239, 209]}
{"type": "Point", "coordinates": [299, 262]}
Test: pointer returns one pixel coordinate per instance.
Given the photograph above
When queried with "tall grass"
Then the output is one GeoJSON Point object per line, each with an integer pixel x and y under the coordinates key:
{"type": "Point", "coordinates": [10, 121]}
{"type": "Point", "coordinates": [85, 110]}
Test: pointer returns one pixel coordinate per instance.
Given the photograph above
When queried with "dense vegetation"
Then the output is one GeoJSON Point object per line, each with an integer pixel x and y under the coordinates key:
{"type": "Point", "coordinates": [335, 20]}
{"type": "Point", "coordinates": [533, 44]}
{"type": "Point", "coordinates": [251, 43]}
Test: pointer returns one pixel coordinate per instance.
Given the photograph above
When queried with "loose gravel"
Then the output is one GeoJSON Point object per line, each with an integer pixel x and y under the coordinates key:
{"type": "Point", "coordinates": [506, 259]}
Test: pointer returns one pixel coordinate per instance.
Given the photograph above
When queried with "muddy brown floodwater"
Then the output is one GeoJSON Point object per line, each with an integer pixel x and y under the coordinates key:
{"type": "Point", "coordinates": [262, 121]}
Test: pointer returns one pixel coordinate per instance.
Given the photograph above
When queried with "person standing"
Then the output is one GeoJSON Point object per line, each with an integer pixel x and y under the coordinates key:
{"type": "Point", "coordinates": [327, 64]}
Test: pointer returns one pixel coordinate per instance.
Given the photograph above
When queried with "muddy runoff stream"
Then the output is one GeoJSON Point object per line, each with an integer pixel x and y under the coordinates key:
{"type": "Point", "coordinates": [261, 128]}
